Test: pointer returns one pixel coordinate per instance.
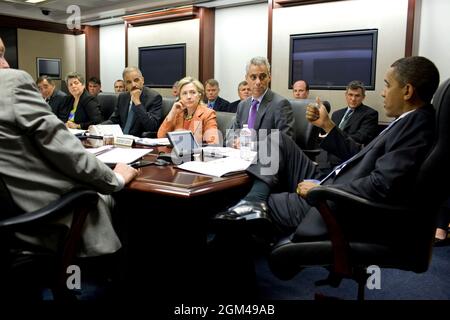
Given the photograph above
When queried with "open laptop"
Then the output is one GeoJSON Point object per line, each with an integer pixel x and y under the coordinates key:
{"type": "Point", "coordinates": [184, 144]}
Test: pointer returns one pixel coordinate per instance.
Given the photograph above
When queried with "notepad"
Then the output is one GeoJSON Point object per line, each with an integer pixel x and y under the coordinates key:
{"type": "Point", "coordinates": [217, 168]}
{"type": "Point", "coordinates": [115, 155]}
{"type": "Point", "coordinates": [152, 141]}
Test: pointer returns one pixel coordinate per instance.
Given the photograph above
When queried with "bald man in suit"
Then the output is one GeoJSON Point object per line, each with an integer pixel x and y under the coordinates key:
{"type": "Point", "coordinates": [273, 110]}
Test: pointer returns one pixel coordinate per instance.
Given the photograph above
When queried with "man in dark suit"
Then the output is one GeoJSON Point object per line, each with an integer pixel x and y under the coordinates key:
{"type": "Point", "coordinates": [244, 92]}
{"type": "Point", "coordinates": [384, 170]}
{"type": "Point", "coordinates": [357, 121]}
{"type": "Point", "coordinates": [361, 121]}
{"type": "Point", "coordinates": [213, 100]}
{"type": "Point", "coordinates": [54, 97]}
{"type": "Point", "coordinates": [138, 109]}
{"type": "Point", "coordinates": [272, 111]}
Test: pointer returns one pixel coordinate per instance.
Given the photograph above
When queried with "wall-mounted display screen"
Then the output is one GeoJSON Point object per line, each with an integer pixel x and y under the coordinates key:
{"type": "Point", "coordinates": [331, 60]}
{"type": "Point", "coordinates": [161, 66]}
{"type": "Point", "coordinates": [48, 67]}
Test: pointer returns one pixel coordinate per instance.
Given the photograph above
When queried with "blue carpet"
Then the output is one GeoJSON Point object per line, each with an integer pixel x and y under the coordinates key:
{"type": "Point", "coordinates": [395, 284]}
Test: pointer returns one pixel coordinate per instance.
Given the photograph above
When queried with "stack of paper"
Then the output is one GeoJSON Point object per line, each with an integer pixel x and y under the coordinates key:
{"type": "Point", "coordinates": [152, 142]}
{"type": "Point", "coordinates": [217, 168]}
{"type": "Point", "coordinates": [112, 155]}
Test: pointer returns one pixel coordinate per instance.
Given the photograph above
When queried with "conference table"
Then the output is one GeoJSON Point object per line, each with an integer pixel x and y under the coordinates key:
{"type": "Point", "coordinates": [177, 183]}
{"type": "Point", "coordinates": [163, 216]}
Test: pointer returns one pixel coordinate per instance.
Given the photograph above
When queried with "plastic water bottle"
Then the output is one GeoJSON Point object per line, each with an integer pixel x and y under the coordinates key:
{"type": "Point", "coordinates": [245, 141]}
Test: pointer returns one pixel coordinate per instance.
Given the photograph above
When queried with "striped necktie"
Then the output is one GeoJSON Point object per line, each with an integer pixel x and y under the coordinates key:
{"type": "Point", "coordinates": [345, 118]}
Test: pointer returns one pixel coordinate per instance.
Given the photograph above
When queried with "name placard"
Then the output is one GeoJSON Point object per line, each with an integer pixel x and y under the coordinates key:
{"type": "Point", "coordinates": [124, 141]}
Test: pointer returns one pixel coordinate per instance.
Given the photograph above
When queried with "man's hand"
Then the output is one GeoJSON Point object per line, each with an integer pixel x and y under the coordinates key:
{"type": "Point", "coordinates": [304, 186]}
{"type": "Point", "coordinates": [319, 116]}
{"type": "Point", "coordinates": [128, 173]}
{"type": "Point", "coordinates": [135, 94]}
{"type": "Point", "coordinates": [236, 143]}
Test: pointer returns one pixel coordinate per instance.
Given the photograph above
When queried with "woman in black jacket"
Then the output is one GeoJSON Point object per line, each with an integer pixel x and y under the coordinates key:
{"type": "Point", "coordinates": [80, 109]}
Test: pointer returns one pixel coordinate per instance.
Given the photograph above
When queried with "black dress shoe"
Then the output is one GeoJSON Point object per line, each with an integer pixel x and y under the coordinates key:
{"type": "Point", "coordinates": [249, 217]}
{"type": "Point", "coordinates": [246, 211]}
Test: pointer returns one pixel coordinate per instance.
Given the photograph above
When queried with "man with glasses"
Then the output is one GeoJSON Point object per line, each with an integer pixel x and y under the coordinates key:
{"type": "Point", "coordinates": [265, 109]}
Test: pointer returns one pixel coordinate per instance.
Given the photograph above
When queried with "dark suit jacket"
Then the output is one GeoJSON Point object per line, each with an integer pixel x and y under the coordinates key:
{"type": "Point", "coordinates": [88, 110]}
{"type": "Point", "coordinates": [57, 100]}
{"type": "Point", "coordinates": [386, 168]}
{"type": "Point", "coordinates": [147, 116]}
{"type": "Point", "coordinates": [232, 107]}
{"type": "Point", "coordinates": [362, 127]}
{"type": "Point", "coordinates": [221, 104]}
{"type": "Point", "coordinates": [274, 112]}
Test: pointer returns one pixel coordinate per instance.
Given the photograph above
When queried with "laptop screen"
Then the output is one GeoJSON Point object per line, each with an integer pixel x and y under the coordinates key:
{"type": "Point", "coordinates": [183, 143]}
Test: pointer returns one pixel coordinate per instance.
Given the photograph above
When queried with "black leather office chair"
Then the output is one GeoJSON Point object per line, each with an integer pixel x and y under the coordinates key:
{"type": "Point", "coordinates": [108, 102]}
{"type": "Point", "coordinates": [27, 268]}
{"type": "Point", "coordinates": [167, 103]}
{"type": "Point", "coordinates": [399, 237]}
{"type": "Point", "coordinates": [224, 122]}
{"type": "Point", "coordinates": [306, 134]}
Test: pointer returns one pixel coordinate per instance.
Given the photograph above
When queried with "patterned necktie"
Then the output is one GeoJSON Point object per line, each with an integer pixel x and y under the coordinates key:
{"type": "Point", "coordinates": [210, 105]}
{"type": "Point", "coordinates": [252, 115]}
{"type": "Point", "coordinates": [345, 118]}
{"type": "Point", "coordinates": [130, 118]}
{"type": "Point", "coordinates": [338, 168]}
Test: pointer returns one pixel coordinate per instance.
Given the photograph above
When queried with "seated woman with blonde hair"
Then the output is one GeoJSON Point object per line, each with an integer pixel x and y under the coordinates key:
{"type": "Point", "coordinates": [190, 113]}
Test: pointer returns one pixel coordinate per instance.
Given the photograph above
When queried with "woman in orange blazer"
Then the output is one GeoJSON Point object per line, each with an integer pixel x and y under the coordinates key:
{"type": "Point", "coordinates": [190, 113]}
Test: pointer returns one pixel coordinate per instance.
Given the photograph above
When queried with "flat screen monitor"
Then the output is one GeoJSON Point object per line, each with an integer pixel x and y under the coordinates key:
{"type": "Point", "coordinates": [331, 60]}
{"type": "Point", "coordinates": [49, 67]}
{"type": "Point", "coordinates": [183, 143]}
{"type": "Point", "coordinates": [161, 66]}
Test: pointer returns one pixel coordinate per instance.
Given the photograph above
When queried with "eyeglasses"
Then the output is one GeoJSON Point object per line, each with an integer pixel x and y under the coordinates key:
{"type": "Point", "coordinates": [262, 76]}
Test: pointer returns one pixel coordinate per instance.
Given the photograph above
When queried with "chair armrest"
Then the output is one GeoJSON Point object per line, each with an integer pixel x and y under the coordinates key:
{"type": "Point", "coordinates": [323, 193]}
{"type": "Point", "coordinates": [73, 198]}
{"type": "Point", "coordinates": [318, 197]}
{"type": "Point", "coordinates": [312, 152]}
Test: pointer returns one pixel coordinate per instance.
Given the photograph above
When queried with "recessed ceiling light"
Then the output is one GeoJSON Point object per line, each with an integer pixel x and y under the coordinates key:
{"type": "Point", "coordinates": [35, 1]}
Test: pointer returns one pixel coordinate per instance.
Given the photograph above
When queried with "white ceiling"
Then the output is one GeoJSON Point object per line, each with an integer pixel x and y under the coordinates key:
{"type": "Point", "coordinates": [102, 12]}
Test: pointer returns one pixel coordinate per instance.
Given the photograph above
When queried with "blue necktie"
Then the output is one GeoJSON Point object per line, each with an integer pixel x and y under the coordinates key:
{"type": "Point", "coordinates": [252, 115]}
{"type": "Point", "coordinates": [130, 118]}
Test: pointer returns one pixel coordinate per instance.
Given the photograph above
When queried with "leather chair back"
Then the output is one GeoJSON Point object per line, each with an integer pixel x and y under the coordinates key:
{"type": "Point", "coordinates": [167, 103]}
{"type": "Point", "coordinates": [108, 102]}
{"type": "Point", "coordinates": [224, 121]}
{"type": "Point", "coordinates": [306, 135]}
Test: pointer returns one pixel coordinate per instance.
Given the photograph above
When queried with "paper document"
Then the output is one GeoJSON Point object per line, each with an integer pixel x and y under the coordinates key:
{"type": "Point", "coordinates": [115, 155]}
{"type": "Point", "coordinates": [221, 152]}
{"type": "Point", "coordinates": [152, 142]}
{"type": "Point", "coordinates": [77, 132]}
{"type": "Point", "coordinates": [109, 129]}
{"type": "Point", "coordinates": [218, 167]}
{"type": "Point", "coordinates": [99, 150]}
